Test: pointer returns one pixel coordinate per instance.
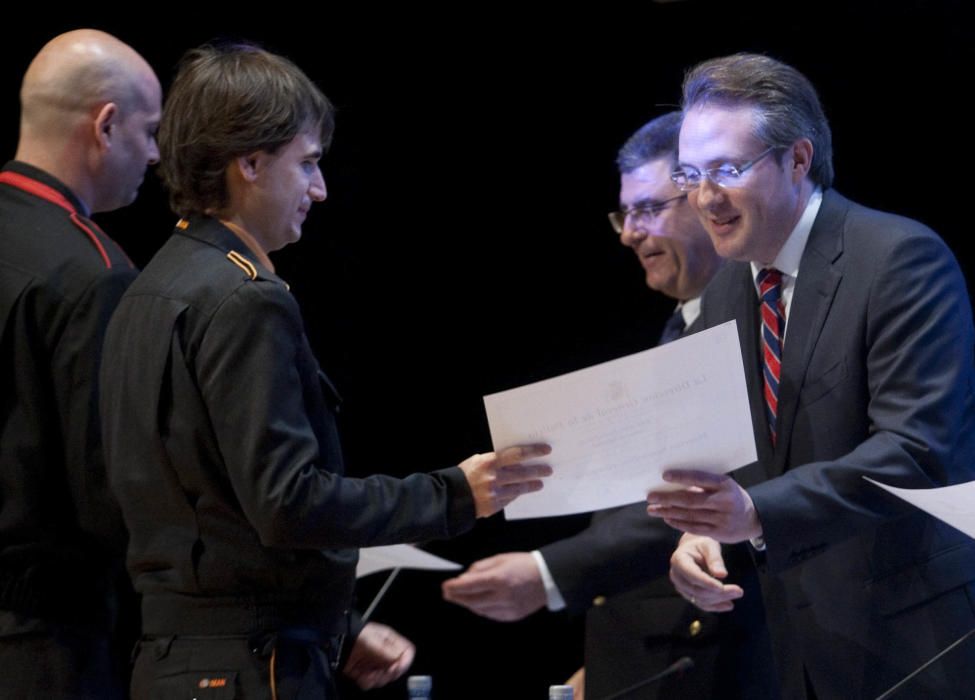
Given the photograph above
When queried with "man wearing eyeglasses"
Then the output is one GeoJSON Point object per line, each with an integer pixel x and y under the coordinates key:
{"type": "Point", "coordinates": [857, 338]}
{"type": "Point", "coordinates": [630, 634]}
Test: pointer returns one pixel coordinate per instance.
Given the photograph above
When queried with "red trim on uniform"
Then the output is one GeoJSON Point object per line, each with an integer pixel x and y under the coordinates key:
{"type": "Point", "coordinates": [38, 189]}
{"type": "Point", "coordinates": [49, 194]}
{"type": "Point", "coordinates": [94, 238]}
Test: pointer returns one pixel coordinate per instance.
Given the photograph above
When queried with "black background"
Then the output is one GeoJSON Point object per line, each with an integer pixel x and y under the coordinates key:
{"type": "Point", "coordinates": [464, 247]}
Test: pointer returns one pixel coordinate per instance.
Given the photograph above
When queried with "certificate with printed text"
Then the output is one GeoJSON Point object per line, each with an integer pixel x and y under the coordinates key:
{"type": "Point", "coordinates": [616, 427]}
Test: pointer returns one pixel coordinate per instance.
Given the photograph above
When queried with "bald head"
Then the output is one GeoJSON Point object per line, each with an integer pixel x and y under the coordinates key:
{"type": "Point", "coordinates": [89, 110]}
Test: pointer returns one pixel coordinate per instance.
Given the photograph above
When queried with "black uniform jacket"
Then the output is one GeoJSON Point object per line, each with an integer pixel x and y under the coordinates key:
{"type": "Point", "coordinates": [222, 446]}
{"type": "Point", "coordinates": [60, 279]}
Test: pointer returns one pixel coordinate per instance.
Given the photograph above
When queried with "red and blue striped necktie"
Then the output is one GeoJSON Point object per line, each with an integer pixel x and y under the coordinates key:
{"type": "Point", "coordinates": [773, 325]}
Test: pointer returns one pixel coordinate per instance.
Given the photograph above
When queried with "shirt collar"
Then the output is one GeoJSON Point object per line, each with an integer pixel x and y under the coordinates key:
{"type": "Point", "coordinates": [690, 310]}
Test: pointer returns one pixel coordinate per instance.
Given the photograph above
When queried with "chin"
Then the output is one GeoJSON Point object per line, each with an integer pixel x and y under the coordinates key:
{"type": "Point", "coordinates": [728, 249]}
{"type": "Point", "coordinates": [655, 283]}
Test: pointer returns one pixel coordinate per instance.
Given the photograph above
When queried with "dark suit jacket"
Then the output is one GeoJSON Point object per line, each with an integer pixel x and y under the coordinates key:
{"type": "Point", "coordinates": [877, 380]}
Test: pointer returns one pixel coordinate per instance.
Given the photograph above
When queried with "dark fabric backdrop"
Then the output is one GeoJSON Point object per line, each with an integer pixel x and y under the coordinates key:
{"type": "Point", "coordinates": [464, 247]}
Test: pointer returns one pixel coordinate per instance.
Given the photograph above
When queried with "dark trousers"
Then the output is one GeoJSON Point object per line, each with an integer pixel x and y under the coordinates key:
{"type": "Point", "coordinates": [240, 667]}
{"type": "Point", "coordinates": [42, 659]}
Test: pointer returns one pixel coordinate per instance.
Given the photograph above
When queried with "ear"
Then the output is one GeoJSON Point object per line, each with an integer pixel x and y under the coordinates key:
{"type": "Point", "coordinates": [802, 157]}
{"type": "Point", "coordinates": [104, 124]}
{"type": "Point", "coordinates": [249, 166]}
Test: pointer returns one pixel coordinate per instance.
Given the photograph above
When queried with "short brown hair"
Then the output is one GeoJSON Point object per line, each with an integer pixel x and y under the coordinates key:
{"type": "Point", "coordinates": [227, 101]}
{"type": "Point", "coordinates": [786, 102]}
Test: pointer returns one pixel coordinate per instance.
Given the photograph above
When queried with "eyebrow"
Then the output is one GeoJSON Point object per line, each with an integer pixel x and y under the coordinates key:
{"type": "Point", "coordinates": [645, 203]}
{"type": "Point", "coordinates": [723, 160]}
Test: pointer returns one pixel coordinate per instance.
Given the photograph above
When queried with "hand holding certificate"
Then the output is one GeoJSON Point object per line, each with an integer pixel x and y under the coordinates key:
{"type": "Point", "coordinates": [616, 427]}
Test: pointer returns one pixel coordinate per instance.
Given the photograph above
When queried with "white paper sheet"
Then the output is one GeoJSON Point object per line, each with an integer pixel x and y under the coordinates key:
{"type": "Point", "coordinates": [954, 505]}
{"type": "Point", "coordinates": [616, 427]}
{"type": "Point", "coordinates": [399, 556]}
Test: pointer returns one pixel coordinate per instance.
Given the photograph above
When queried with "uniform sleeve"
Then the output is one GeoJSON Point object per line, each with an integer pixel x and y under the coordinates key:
{"type": "Point", "coordinates": [277, 438]}
{"type": "Point", "coordinates": [918, 343]}
{"type": "Point", "coordinates": [75, 363]}
{"type": "Point", "coordinates": [621, 549]}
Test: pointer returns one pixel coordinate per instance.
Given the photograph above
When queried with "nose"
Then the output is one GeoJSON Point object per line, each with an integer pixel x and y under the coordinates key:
{"type": "Point", "coordinates": [633, 232]}
{"type": "Point", "coordinates": [316, 188]}
{"type": "Point", "coordinates": [153, 155]}
{"type": "Point", "coordinates": [706, 195]}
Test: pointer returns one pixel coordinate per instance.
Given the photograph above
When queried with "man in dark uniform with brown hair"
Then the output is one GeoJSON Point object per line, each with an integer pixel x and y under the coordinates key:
{"type": "Point", "coordinates": [219, 425]}
{"type": "Point", "coordinates": [90, 108]}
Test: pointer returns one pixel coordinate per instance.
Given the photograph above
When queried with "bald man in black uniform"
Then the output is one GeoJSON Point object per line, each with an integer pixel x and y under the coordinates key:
{"type": "Point", "coordinates": [90, 109]}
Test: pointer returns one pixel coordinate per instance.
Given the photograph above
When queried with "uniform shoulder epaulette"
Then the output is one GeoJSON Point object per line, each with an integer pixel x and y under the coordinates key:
{"type": "Point", "coordinates": [243, 263]}
{"type": "Point", "coordinates": [248, 267]}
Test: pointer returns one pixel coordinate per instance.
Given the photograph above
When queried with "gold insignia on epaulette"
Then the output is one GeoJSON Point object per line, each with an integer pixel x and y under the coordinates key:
{"type": "Point", "coordinates": [182, 224]}
{"type": "Point", "coordinates": [243, 263]}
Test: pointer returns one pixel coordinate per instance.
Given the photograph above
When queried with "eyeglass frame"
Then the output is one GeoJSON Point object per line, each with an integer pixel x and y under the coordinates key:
{"type": "Point", "coordinates": [617, 219]}
{"type": "Point", "coordinates": [734, 171]}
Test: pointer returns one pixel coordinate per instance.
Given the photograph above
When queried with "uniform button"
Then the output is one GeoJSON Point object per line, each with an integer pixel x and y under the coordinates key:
{"type": "Point", "coordinates": [694, 628]}
{"type": "Point", "coordinates": [599, 601]}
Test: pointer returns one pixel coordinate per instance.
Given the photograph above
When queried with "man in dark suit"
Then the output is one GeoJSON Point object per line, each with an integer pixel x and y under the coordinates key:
{"type": "Point", "coordinates": [630, 634]}
{"type": "Point", "coordinates": [856, 333]}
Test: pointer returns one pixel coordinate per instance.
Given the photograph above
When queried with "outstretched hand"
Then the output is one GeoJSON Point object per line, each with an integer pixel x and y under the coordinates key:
{"type": "Point", "coordinates": [498, 478]}
{"type": "Point", "coordinates": [505, 587]}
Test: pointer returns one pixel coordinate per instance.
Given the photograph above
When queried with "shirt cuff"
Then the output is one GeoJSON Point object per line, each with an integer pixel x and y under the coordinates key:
{"type": "Point", "coordinates": [553, 598]}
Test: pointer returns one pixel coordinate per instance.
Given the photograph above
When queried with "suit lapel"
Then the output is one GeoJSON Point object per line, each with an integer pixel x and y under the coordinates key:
{"type": "Point", "coordinates": [811, 301]}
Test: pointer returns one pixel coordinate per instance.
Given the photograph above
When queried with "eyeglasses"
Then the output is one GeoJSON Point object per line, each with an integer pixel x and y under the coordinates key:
{"type": "Point", "coordinates": [641, 214]}
{"type": "Point", "coordinates": [689, 178]}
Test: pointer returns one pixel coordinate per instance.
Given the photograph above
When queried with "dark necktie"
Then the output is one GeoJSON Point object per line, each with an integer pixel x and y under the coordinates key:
{"type": "Point", "coordinates": [673, 329]}
{"type": "Point", "coordinates": [773, 324]}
